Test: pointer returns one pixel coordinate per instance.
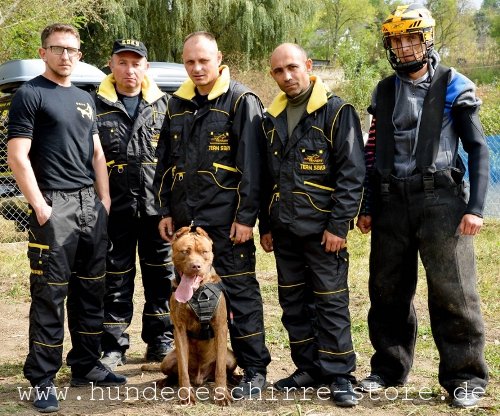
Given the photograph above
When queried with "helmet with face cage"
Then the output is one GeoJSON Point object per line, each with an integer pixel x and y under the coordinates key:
{"type": "Point", "coordinates": [408, 20]}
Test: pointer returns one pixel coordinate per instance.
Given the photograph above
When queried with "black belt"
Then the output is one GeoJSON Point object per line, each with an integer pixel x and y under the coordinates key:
{"type": "Point", "coordinates": [69, 191]}
{"type": "Point", "coordinates": [448, 178]}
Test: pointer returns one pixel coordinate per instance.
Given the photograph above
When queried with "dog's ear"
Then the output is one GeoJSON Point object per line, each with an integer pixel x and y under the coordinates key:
{"type": "Point", "coordinates": [181, 232]}
{"type": "Point", "coordinates": [201, 231]}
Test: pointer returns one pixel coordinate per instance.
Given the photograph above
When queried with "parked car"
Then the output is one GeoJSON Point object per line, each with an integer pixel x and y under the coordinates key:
{"type": "Point", "coordinates": [13, 205]}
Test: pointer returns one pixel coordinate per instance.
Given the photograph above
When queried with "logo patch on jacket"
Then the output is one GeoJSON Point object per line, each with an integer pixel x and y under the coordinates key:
{"type": "Point", "coordinates": [312, 162]}
{"type": "Point", "coordinates": [219, 142]}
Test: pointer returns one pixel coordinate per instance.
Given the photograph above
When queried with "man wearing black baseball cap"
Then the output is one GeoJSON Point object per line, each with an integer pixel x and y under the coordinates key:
{"type": "Point", "coordinates": [130, 45]}
{"type": "Point", "coordinates": [130, 111]}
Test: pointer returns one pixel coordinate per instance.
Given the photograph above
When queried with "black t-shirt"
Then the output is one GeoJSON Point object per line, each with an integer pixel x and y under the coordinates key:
{"type": "Point", "coordinates": [131, 104]}
{"type": "Point", "coordinates": [201, 100]}
{"type": "Point", "coordinates": [61, 122]}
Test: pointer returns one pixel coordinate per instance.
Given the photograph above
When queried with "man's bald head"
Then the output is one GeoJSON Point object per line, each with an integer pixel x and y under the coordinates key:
{"type": "Point", "coordinates": [202, 59]}
{"type": "Point", "coordinates": [290, 68]}
{"type": "Point", "coordinates": [287, 47]}
{"type": "Point", "coordinates": [202, 34]}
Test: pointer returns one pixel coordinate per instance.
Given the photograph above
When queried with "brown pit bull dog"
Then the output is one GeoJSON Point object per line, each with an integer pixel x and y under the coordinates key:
{"type": "Point", "coordinates": [199, 314]}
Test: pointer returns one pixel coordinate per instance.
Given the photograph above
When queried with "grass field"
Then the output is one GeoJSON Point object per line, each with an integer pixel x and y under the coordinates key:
{"type": "Point", "coordinates": [14, 298]}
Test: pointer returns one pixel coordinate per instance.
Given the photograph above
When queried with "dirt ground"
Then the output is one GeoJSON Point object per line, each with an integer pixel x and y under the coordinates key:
{"type": "Point", "coordinates": [139, 396]}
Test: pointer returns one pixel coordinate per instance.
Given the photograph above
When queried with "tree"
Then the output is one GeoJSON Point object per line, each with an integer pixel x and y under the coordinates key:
{"type": "Point", "coordinates": [22, 21]}
{"type": "Point", "coordinates": [488, 20]}
{"type": "Point", "coordinates": [338, 20]}
{"type": "Point", "coordinates": [116, 22]}
{"type": "Point", "coordinates": [454, 26]}
{"type": "Point", "coordinates": [248, 29]}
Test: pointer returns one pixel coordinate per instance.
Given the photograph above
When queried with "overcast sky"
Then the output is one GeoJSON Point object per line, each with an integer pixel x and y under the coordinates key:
{"type": "Point", "coordinates": [475, 3]}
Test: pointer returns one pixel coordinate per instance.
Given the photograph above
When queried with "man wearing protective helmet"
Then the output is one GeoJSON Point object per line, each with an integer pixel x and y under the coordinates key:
{"type": "Point", "coordinates": [408, 36]}
{"type": "Point", "coordinates": [417, 203]}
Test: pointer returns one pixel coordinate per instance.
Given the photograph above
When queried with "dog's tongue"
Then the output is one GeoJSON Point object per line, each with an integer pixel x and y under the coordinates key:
{"type": "Point", "coordinates": [186, 287]}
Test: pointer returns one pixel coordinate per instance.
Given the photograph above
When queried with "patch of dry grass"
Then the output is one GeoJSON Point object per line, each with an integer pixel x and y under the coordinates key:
{"type": "Point", "coordinates": [14, 288]}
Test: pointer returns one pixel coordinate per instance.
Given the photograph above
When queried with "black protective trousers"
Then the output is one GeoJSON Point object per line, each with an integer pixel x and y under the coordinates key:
{"type": "Point", "coordinates": [314, 295]}
{"type": "Point", "coordinates": [67, 259]}
{"type": "Point", "coordinates": [127, 235]}
{"type": "Point", "coordinates": [408, 222]}
{"type": "Point", "coordinates": [235, 264]}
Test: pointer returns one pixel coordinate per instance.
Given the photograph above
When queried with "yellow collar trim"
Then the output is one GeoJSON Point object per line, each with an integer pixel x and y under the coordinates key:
{"type": "Point", "coordinates": [319, 97]}
{"type": "Point", "coordinates": [188, 90]}
{"type": "Point", "coordinates": [150, 91]}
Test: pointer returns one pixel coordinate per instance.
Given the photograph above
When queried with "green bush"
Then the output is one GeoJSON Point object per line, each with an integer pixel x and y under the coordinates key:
{"type": "Point", "coordinates": [360, 77]}
{"type": "Point", "coordinates": [483, 76]}
{"type": "Point", "coordinates": [490, 110]}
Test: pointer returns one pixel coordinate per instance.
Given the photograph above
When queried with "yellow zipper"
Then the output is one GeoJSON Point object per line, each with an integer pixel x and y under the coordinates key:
{"type": "Point", "coordinates": [315, 185]}
{"type": "Point", "coordinates": [230, 168]}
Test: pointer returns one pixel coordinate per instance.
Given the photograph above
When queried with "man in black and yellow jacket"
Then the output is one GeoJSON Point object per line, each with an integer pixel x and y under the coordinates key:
{"type": "Point", "coordinates": [130, 113]}
{"type": "Point", "coordinates": [208, 175]}
{"type": "Point", "coordinates": [314, 186]}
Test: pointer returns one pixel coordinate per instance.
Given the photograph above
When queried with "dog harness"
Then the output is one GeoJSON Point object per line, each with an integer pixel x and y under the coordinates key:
{"type": "Point", "coordinates": [204, 302]}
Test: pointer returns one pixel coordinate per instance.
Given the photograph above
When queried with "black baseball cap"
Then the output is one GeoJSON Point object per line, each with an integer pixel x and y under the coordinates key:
{"type": "Point", "coordinates": [132, 45]}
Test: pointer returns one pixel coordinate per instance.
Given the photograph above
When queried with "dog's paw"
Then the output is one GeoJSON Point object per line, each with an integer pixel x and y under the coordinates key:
{"type": "Point", "coordinates": [188, 402]}
{"type": "Point", "coordinates": [222, 396]}
{"type": "Point", "coordinates": [223, 402]}
{"type": "Point", "coordinates": [187, 398]}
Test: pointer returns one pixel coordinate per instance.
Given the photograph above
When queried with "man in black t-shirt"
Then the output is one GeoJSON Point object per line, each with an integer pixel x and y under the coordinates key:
{"type": "Point", "coordinates": [130, 109]}
{"type": "Point", "coordinates": [57, 159]}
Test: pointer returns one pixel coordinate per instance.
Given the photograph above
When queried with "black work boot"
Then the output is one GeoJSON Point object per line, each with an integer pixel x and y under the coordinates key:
{"type": "Point", "coordinates": [157, 352]}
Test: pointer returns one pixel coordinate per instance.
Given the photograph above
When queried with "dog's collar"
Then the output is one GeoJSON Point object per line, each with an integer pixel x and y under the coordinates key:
{"type": "Point", "coordinates": [204, 302]}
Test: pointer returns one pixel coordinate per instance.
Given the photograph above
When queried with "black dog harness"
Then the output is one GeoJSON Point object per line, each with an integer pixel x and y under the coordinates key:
{"type": "Point", "coordinates": [204, 302]}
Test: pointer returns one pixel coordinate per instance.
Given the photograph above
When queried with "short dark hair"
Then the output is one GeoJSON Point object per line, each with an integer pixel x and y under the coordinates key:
{"type": "Point", "coordinates": [58, 27]}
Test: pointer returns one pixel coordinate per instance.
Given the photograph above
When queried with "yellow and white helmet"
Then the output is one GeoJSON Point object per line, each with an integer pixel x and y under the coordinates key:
{"type": "Point", "coordinates": [408, 20]}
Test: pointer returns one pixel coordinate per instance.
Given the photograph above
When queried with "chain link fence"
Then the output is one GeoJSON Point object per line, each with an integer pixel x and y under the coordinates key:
{"type": "Point", "coordinates": [13, 206]}
{"type": "Point", "coordinates": [14, 209]}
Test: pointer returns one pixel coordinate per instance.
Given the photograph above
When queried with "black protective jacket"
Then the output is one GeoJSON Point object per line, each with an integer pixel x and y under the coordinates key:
{"type": "Point", "coordinates": [130, 145]}
{"type": "Point", "coordinates": [316, 175]}
{"type": "Point", "coordinates": [209, 162]}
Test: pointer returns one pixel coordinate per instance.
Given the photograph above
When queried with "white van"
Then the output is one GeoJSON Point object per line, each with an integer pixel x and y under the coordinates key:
{"type": "Point", "coordinates": [13, 206]}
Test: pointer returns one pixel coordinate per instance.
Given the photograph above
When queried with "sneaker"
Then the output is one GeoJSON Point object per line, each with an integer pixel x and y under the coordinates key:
{"type": "Point", "coordinates": [100, 376]}
{"type": "Point", "coordinates": [343, 394]}
{"type": "Point", "coordinates": [45, 397]}
{"type": "Point", "coordinates": [112, 359]}
{"type": "Point", "coordinates": [157, 352]}
{"type": "Point", "coordinates": [251, 384]}
{"type": "Point", "coordinates": [465, 398]}
{"type": "Point", "coordinates": [296, 380]}
{"type": "Point", "coordinates": [372, 383]}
